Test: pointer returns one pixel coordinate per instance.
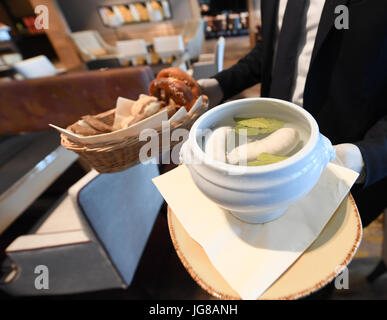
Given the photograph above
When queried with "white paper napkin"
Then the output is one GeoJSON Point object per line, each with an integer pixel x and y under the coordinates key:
{"type": "Point", "coordinates": [123, 108]}
{"type": "Point", "coordinates": [251, 257]}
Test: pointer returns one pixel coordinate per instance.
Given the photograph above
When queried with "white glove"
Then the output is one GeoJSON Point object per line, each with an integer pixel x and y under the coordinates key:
{"type": "Point", "coordinates": [212, 90]}
{"type": "Point", "coordinates": [348, 155]}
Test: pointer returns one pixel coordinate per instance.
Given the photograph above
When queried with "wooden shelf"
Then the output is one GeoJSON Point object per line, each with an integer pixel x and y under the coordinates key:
{"type": "Point", "coordinates": [228, 33]}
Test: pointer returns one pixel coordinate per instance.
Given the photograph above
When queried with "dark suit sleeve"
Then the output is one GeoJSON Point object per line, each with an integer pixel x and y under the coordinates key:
{"type": "Point", "coordinates": [374, 151]}
{"type": "Point", "coordinates": [244, 74]}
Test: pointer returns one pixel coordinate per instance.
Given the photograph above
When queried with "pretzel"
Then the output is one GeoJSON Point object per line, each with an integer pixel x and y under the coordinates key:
{"type": "Point", "coordinates": [179, 74]}
{"type": "Point", "coordinates": [97, 124]}
{"type": "Point", "coordinates": [83, 130]}
{"type": "Point", "coordinates": [171, 109]}
{"type": "Point", "coordinates": [169, 88]}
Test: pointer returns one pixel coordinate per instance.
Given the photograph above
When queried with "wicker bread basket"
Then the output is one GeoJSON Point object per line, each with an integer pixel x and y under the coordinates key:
{"type": "Point", "coordinates": [120, 155]}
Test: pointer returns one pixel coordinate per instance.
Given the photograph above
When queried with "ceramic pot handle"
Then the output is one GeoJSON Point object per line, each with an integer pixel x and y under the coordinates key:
{"type": "Point", "coordinates": [328, 150]}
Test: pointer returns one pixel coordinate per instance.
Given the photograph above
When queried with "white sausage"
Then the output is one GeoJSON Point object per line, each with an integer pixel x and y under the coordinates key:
{"type": "Point", "coordinates": [279, 143]}
{"type": "Point", "coordinates": [216, 143]}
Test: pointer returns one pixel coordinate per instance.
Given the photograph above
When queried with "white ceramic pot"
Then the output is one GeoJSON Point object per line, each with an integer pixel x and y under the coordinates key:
{"type": "Point", "coordinates": [263, 193]}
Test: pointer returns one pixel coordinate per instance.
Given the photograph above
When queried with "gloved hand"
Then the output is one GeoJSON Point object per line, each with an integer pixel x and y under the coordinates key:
{"type": "Point", "coordinates": [348, 155]}
{"type": "Point", "coordinates": [212, 89]}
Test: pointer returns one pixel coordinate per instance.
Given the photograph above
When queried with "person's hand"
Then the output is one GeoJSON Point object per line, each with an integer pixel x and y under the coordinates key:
{"type": "Point", "coordinates": [348, 155]}
{"type": "Point", "coordinates": [212, 89]}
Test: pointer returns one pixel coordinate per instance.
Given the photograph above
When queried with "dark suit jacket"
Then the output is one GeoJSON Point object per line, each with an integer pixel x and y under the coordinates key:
{"type": "Point", "coordinates": [345, 90]}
